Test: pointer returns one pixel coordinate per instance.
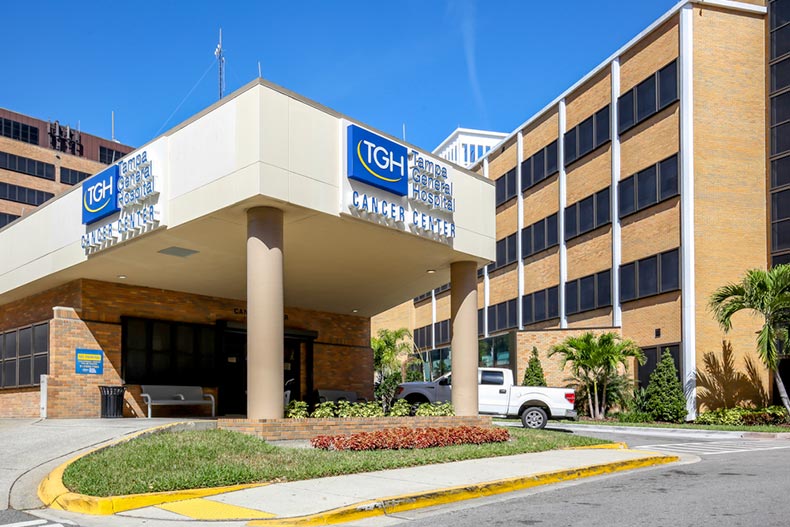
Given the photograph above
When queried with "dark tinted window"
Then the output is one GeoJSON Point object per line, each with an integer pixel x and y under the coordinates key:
{"type": "Point", "coordinates": [601, 126]}
{"type": "Point", "coordinates": [780, 235]}
{"type": "Point", "coordinates": [780, 75]}
{"type": "Point", "coordinates": [526, 241]}
{"type": "Point", "coordinates": [646, 99]}
{"type": "Point", "coordinates": [511, 248]}
{"type": "Point", "coordinates": [500, 190]}
{"type": "Point", "coordinates": [526, 173]}
{"type": "Point", "coordinates": [670, 271]}
{"type": "Point", "coordinates": [668, 172]}
{"type": "Point", "coordinates": [526, 309]}
{"type": "Point", "coordinates": [570, 222]}
{"type": "Point", "coordinates": [604, 288]}
{"type": "Point", "coordinates": [571, 297]}
{"type": "Point", "coordinates": [540, 305]}
{"type": "Point", "coordinates": [646, 187]}
{"type": "Point", "coordinates": [648, 276]}
{"type": "Point", "coordinates": [551, 231]}
{"type": "Point", "coordinates": [587, 293]}
{"type": "Point", "coordinates": [780, 172]}
{"type": "Point", "coordinates": [780, 205]}
{"type": "Point", "coordinates": [554, 302]}
{"type": "Point", "coordinates": [510, 184]}
{"type": "Point", "coordinates": [602, 207]}
{"type": "Point", "coordinates": [539, 236]}
{"type": "Point", "coordinates": [512, 313]}
{"type": "Point", "coordinates": [780, 108]}
{"type": "Point", "coordinates": [570, 146]}
{"type": "Point", "coordinates": [586, 215]}
{"type": "Point", "coordinates": [667, 85]}
{"type": "Point", "coordinates": [538, 166]}
{"type": "Point", "coordinates": [585, 136]}
{"type": "Point", "coordinates": [501, 252]}
{"type": "Point", "coordinates": [780, 42]}
{"type": "Point", "coordinates": [625, 111]}
{"type": "Point", "coordinates": [492, 377]}
{"type": "Point", "coordinates": [551, 158]}
{"type": "Point", "coordinates": [627, 282]}
{"type": "Point", "coordinates": [627, 201]}
{"type": "Point", "coordinates": [780, 138]}
{"type": "Point", "coordinates": [780, 13]}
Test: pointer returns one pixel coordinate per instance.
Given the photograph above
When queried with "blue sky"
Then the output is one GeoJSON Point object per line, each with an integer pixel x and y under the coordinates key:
{"type": "Point", "coordinates": [431, 64]}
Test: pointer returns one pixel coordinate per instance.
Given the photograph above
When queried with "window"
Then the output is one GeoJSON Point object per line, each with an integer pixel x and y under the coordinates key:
{"type": "Point", "coordinates": [161, 352]}
{"type": "Point", "coordinates": [25, 195]}
{"type": "Point", "coordinates": [19, 131]}
{"type": "Point", "coordinates": [780, 139]}
{"type": "Point", "coordinates": [780, 42]}
{"type": "Point", "coordinates": [648, 97]}
{"type": "Point", "coordinates": [496, 351]}
{"type": "Point", "coordinates": [649, 276]}
{"type": "Point", "coordinates": [506, 187]}
{"type": "Point", "coordinates": [647, 187]}
{"type": "Point", "coordinates": [539, 297]}
{"type": "Point", "coordinates": [492, 377]}
{"type": "Point", "coordinates": [552, 231]}
{"type": "Point", "coordinates": [653, 357]}
{"type": "Point", "coordinates": [539, 236]}
{"type": "Point", "coordinates": [443, 333]}
{"type": "Point", "coordinates": [553, 298]}
{"type": "Point", "coordinates": [6, 218]}
{"type": "Point", "coordinates": [31, 167]}
{"type": "Point", "coordinates": [540, 166]}
{"type": "Point", "coordinates": [526, 241]}
{"type": "Point", "coordinates": [108, 156]}
{"type": "Point", "coordinates": [780, 14]}
{"type": "Point", "coordinates": [24, 355]}
{"type": "Point", "coordinates": [503, 316]}
{"type": "Point", "coordinates": [506, 251]}
{"type": "Point", "coordinates": [540, 305]}
{"type": "Point", "coordinates": [527, 315]}
{"type": "Point", "coordinates": [589, 292]}
{"type": "Point", "coordinates": [423, 337]}
{"type": "Point", "coordinates": [780, 171]}
{"type": "Point", "coordinates": [780, 108]}
{"type": "Point", "coordinates": [588, 214]}
{"type": "Point", "coordinates": [587, 135]}
{"type": "Point", "coordinates": [72, 177]}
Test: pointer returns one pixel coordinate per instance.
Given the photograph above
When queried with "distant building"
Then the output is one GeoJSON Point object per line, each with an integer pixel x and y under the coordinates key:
{"type": "Point", "coordinates": [465, 146]}
{"type": "Point", "coordinates": [40, 159]}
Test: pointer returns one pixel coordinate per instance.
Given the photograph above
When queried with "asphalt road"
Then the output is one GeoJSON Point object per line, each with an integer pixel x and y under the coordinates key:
{"type": "Point", "coordinates": [719, 483]}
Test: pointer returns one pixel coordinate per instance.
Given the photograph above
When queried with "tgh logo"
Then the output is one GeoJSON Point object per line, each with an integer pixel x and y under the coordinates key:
{"type": "Point", "coordinates": [377, 161]}
{"type": "Point", "coordinates": [99, 195]}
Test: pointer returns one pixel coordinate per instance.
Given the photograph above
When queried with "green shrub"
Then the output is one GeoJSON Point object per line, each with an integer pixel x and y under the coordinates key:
{"type": "Point", "coordinates": [401, 408]}
{"type": "Point", "coordinates": [325, 409]}
{"type": "Point", "coordinates": [533, 375]}
{"type": "Point", "coordinates": [369, 409]}
{"type": "Point", "coordinates": [665, 400]}
{"type": "Point", "coordinates": [345, 409]}
{"type": "Point", "coordinates": [634, 416]}
{"type": "Point", "coordinates": [773, 415]}
{"type": "Point", "coordinates": [435, 409]}
{"type": "Point", "coordinates": [297, 410]}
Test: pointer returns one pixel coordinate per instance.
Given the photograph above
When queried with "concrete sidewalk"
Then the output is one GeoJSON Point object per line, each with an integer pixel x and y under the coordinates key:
{"type": "Point", "coordinates": [353, 497]}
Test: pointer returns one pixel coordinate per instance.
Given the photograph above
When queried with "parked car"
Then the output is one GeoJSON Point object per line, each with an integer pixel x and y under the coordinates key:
{"type": "Point", "coordinates": [499, 396]}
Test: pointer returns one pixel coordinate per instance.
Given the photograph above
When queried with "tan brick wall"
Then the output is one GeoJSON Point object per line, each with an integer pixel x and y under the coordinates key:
{"type": "Point", "coordinates": [544, 341]}
{"type": "Point", "coordinates": [342, 355]}
{"type": "Point", "coordinates": [507, 219]}
{"type": "Point", "coordinates": [590, 253]}
{"type": "Point", "coordinates": [541, 201]}
{"type": "Point", "coordinates": [423, 313]}
{"type": "Point", "coordinates": [589, 175]}
{"type": "Point", "coordinates": [443, 306]}
{"type": "Point", "coordinates": [305, 429]}
{"type": "Point", "coordinates": [651, 141]}
{"type": "Point", "coordinates": [540, 133]}
{"type": "Point", "coordinates": [729, 167]}
{"type": "Point", "coordinates": [401, 316]}
{"type": "Point", "coordinates": [542, 271]}
{"type": "Point", "coordinates": [588, 98]}
{"type": "Point", "coordinates": [502, 161]}
{"type": "Point", "coordinates": [642, 317]}
{"type": "Point", "coordinates": [661, 221]}
{"type": "Point", "coordinates": [20, 402]}
{"type": "Point", "coordinates": [481, 299]}
{"type": "Point", "coordinates": [503, 284]}
{"type": "Point", "coordinates": [591, 319]}
{"type": "Point", "coordinates": [649, 55]}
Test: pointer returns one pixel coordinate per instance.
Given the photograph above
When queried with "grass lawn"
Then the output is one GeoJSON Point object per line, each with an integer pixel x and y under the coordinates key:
{"type": "Point", "coordinates": [693, 426]}
{"type": "Point", "coordinates": [212, 458]}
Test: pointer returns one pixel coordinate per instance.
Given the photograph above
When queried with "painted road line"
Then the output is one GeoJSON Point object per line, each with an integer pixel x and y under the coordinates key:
{"type": "Point", "coordinates": [203, 509]}
{"type": "Point", "coordinates": [712, 448]}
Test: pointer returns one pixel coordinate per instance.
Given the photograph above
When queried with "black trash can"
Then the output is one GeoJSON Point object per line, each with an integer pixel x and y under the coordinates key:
{"type": "Point", "coordinates": [111, 401]}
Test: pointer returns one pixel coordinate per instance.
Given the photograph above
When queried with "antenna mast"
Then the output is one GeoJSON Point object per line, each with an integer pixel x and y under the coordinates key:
{"type": "Point", "coordinates": [220, 62]}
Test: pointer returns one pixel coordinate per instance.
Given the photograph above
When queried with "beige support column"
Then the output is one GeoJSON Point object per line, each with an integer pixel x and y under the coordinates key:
{"type": "Point", "coordinates": [463, 317]}
{"type": "Point", "coordinates": [265, 325]}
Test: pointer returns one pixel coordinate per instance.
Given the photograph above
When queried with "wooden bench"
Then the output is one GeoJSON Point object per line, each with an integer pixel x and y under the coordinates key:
{"type": "Point", "coordinates": [339, 395]}
{"type": "Point", "coordinates": [161, 395]}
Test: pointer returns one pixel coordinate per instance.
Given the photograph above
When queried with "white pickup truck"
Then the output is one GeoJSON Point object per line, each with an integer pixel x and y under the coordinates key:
{"type": "Point", "coordinates": [497, 395]}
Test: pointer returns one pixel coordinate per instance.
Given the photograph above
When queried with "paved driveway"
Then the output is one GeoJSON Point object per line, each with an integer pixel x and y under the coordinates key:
{"type": "Point", "coordinates": [30, 448]}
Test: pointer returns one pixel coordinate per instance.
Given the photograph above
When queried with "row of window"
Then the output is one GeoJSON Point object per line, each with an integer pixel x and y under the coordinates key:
{"type": "Point", "coordinates": [540, 166]}
{"type": "Point", "coordinates": [6, 218]}
{"type": "Point", "coordinates": [72, 177]}
{"type": "Point", "coordinates": [442, 332]}
{"type": "Point", "coordinates": [649, 186]}
{"type": "Point", "coordinates": [650, 276]}
{"type": "Point", "coordinates": [24, 354]}
{"type": "Point", "coordinates": [24, 195]}
{"type": "Point", "coordinates": [441, 289]}
{"type": "Point", "coordinates": [540, 305]}
{"type": "Point", "coordinates": [19, 131]}
{"type": "Point", "coordinates": [588, 214]}
{"type": "Point", "coordinates": [589, 292]}
{"type": "Point", "coordinates": [27, 166]}
{"type": "Point", "coordinates": [422, 337]}
{"type": "Point", "coordinates": [540, 236]}
{"type": "Point", "coordinates": [108, 156]}
{"type": "Point", "coordinates": [648, 97]}
{"type": "Point", "coordinates": [503, 316]}
{"type": "Point", "coordinates": [505, 187]}
{"type": "Point", "coordinates": [587, 135]}
{"type": "Point", "coordinates": [779, 16]}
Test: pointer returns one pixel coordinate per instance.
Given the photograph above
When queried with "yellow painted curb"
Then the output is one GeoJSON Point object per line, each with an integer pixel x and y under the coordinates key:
{"type": "Point", "coordinates": [395, 504]}
{"type": "Point", "coordinates": [54, 494]}
{"type": "Point", "coordinates": [203, 509]}
{"type": "Point", "coordinates": [604, 446]}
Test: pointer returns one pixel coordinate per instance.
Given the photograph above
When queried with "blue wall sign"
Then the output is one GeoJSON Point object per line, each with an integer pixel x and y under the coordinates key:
{"type": "Point", "coordinates": [99, 195]}
{"type": "Point", "coordinates": [377, 161]}
{"type": "Point", "coordinates": [89, 362]}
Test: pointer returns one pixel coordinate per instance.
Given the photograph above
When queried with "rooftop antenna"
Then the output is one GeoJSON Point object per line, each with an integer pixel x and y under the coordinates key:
{"type": "Point", "coordinates": [112, 136]}
{"type": "Point", "coordinates": [404, 131]}
{"type": "Point", "coordinates": [259, 69]}
{"type": "Point", "coordinates": [220, 62]}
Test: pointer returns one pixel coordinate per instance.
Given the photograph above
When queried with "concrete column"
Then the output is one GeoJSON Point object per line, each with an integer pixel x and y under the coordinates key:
{"type": "Point", "coordinates": [463, 317]}
{"type": "Point", "coordinates": [265, 325]}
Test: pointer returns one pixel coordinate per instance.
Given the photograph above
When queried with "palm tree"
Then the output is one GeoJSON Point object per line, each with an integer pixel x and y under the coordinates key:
{"type": "Point", "coordinates": [766, 294]}
{"type": "Point", "coordinates": [595, 361]}
{"type": "Point", "coordinates": [390, 349]}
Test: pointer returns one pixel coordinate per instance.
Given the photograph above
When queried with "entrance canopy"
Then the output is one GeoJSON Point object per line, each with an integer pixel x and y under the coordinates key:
{"type": "Point", "coordinates": [368, 221]}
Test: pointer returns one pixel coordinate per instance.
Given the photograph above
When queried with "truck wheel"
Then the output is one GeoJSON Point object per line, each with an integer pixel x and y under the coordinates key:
{"type": "Point", "coordinates": [534, 417]}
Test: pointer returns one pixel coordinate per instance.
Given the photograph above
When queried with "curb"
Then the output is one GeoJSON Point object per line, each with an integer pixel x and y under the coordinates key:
{"type": "Point", "coordinates": [406, 502]}
{"type": "Point", "coordinates": [54, 494]}
{"type": "Point", "coordinates": [669, 432]}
